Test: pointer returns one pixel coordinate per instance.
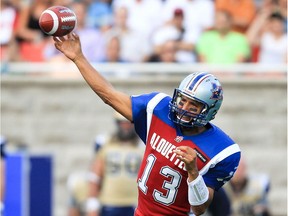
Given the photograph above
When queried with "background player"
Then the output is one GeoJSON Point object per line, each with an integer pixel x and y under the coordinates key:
{"type": "Point", "coordinates": [248, 192]}
{"type": "Point", "coordinates": [77, 185]}
{"type": "Point", "coordinates": [113, 187]}
{"type": "Point", "coordinates": [109, 188]}
{"type": "Point", "coordinates": [186, 157]}
{"type": "Point", "coordinates": [220, 205]}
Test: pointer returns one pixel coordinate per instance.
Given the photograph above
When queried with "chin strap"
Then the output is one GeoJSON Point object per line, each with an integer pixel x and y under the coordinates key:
{"type": "Point", "coordinates": [197, 191]}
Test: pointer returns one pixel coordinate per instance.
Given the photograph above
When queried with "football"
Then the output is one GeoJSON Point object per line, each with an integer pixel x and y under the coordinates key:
{"type": "Point", "coordinates": [57, 21]}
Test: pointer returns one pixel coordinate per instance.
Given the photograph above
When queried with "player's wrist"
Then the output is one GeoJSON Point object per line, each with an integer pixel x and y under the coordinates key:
{"type": "Point", "coordinates": [198, 192]}
{"type": "Point", "coordinates": [78, 58]}
{"type": "Point", "coordinates": [192, 175]}
{"type": "Point", "coordinates": [92, 204]}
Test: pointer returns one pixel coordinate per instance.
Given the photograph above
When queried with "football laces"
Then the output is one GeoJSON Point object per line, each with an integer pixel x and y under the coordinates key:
{"type": "Point", "coordinates": [68, 18]}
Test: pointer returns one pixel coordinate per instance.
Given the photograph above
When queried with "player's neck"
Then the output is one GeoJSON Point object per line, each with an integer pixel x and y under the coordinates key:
{"type": "Point", "coordinates": [192, 131]}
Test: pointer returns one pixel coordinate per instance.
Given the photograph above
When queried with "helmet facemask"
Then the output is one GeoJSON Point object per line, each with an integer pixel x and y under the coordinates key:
{"type": "Point", "coordinates": [184, 117]}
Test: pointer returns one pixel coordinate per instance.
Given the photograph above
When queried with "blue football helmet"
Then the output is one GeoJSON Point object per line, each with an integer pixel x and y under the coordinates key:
{"type": "Point", "coordinates": [201, 87]}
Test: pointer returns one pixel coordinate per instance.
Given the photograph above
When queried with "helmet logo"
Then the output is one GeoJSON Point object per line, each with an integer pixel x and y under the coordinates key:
{"type": "Point", "coordinates": [217, 92]}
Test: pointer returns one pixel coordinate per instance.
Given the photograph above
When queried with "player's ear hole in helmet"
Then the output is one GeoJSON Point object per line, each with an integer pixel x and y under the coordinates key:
{"type": "Point", "coordinates": [203, 88]}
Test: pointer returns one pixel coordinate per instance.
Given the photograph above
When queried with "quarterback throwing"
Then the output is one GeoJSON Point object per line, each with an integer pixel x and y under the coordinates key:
{"type": "Point", "coordinates": [186, 157]}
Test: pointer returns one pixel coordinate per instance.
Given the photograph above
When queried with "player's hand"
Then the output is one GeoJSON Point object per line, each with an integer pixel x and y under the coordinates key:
{"type": "Point", "coordinates": [92, 214]}
{"type": "Point", "coordinates": [189, 157]}
{"type": "Point", "coordinates": [69, 45]}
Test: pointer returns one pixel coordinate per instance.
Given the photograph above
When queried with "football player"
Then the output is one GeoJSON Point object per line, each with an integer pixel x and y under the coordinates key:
{"type": "Point", "coordinates": [186, 157]}
{"type": "Point", "coordinates": [112, 183]}
{"type": "Point", "coordinates": [249, 192]}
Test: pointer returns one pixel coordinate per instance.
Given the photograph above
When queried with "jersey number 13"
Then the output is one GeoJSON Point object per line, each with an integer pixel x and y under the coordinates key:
{"type": "Point", "coordinates": [171, 186]}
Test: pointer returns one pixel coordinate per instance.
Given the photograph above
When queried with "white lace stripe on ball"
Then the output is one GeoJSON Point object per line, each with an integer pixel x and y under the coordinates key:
{"type": "Point", "coordinates": [68, 19]}
{"type": "Point", "coordinates": [55, 21]}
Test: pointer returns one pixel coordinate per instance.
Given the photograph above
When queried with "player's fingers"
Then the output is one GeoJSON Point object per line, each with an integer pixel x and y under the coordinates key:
{"type": "Point", "coordinates": [57, 46]}
{"type": "Point", "coordinates": [62, 39]}
{"type": "Point", "coordinates": [182, 158]}
{"type": "Point", "coordinates": [183, 148]}
{"type": "Point", "coordinates": [75, 36]}
{"type": "Point", "coordinates": [56, 39]}
{"type": "Point", "coordinates": [70, 36]}
{"type": "Point", "coordinates": [179, 152]}
{"type": "Point", "coordinates": [185, 154]}
{"type": "Point", "coordinates": [187, 149]}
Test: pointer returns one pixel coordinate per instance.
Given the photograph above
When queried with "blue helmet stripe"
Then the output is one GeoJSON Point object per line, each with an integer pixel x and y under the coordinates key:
{"type": "Point", "coordinates": [193, 82]}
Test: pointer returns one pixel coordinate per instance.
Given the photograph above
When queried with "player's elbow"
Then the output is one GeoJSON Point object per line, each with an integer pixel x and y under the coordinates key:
{"type": "Point", "coordinates": [107, 101]}
{"type": "Point", "coordinates": [198, 210]}
{"type": "Point", "coordinates": [107, 98]}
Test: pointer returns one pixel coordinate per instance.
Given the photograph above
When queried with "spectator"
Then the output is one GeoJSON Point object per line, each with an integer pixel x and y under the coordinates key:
{"type": "Point", "coordinates": [143, 15]}
{"type": "Point", "coordinates": [168, 9]}
{"type": "Point", "coordinates": [222, 45]}
{"type": "Point", "coordinates": [162, 35]}
{"type": "Point", "coordinates": [32, 40]}
{"type": "Point", "coordinates": [7, 39]}
{"type": "Point", "coordinates": [267, 34]}
{"type": "Point", "coordinates": [114, 172]}
{"type": "Point", "coordinates": [99, 13]}
{"type": "Point", "coordinates": [167, 53]}
{"type": "Point", "coordinates": [134, 47]}
{"type": "Point", "coordinates": [93, 40]}
{"type": "Point", "coordinates": [113, 49]}
{"type": "Point", "coordinates": [282, 9]}
{"type": "Point", "coordinates": [248, 192]}
{"type": "Point", "coordinates": [198, 14]}
{"type": "Point", "coordinates": [275, 6]}
{"type": "Point", "coordinates": [242, 12]}
{"type": "Point", "coordinates": [175, 30]}
{"type": "Point", "coordinates": [65, 3]}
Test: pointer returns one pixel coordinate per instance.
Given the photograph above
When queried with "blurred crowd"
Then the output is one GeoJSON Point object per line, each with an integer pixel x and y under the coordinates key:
{"type": "Point", "coordinates": [129, 31]}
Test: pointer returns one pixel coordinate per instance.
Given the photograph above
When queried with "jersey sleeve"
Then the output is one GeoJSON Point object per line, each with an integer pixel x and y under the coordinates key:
{"type": "Point", "coordinates": [222, 172]}
{"type": "Point", "coordinates": [139, 111]}
{"type": "Point", "coordinates": [100, 154]}
{"type": "Point", "coordinates": [99, 142]}
{"type": "Point", "coordinates": [3, 143]}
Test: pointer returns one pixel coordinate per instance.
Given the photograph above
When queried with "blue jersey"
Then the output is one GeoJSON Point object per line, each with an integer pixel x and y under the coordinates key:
{"type": "Point", "coordinates": [162, 178]}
